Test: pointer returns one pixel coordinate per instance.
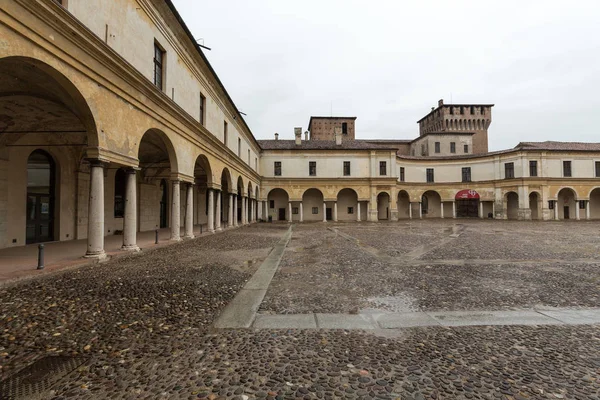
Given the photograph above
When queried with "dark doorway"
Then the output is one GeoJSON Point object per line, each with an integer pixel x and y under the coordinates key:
{"type": "Point", "coordinates": [163, 203]}
{"type": "Point", "coordinates": [566, 211]}
{"type": "Point", "coordinates": [281, 216]}
{"type": "Point", "coordinates": [41, 173]}
{"type": "Point", "coordinates": [467, 208]}
{"type": "Point", "coordinates": [328, 214]}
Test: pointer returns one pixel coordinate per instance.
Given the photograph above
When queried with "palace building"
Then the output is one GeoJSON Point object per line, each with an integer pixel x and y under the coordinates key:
{"type": "Point", "coordinates": [112, 121]}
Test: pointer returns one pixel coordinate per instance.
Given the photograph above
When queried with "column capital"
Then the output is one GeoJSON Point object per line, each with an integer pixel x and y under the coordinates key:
{"type": "Point", "coordinates": [94, 162]}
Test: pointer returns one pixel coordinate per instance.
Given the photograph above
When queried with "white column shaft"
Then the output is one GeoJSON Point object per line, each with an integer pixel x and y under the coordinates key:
{"type": "Point", "coordinates": [95, 242]}
{"type": "Point", "coordinates": [301, 211]}
{"type": "Point", "coordinates": [188, 226]}
{"type": "Point", "coordinates": [324, 212]}
{"type": "Point", "coordinates": [230, 211]}
{"type": "Point", "coordinates": [453, 209]}
{"type": "Point", "coordinates": [556, 210]}
{"type": "Point", "coordinates": [235, 210]}
{"type": "Point", "coordinates": [176, 212]}
{"type": "Point", "coordinates": [211, 210]}
{"type": "Point", "coordinates": [358, 211]}
{"type": "Point", "coordinates": [577, 210]}
{"type": "Point", "coordinates": [130, 217]}
{"type": "Point", "coordinates": [420, 210]}
{"type": "Point", "coordinates": [335, 211]}
{"type": "Point", "coordinates": [442, 209]}
{"type": "Point", "coordinates": [290, 211]}
{"type": "Point", "coordinates": [587, 209]}
{"type": "Point", "coordinates": [218, 212]}
{"type": "Point", "coordinates": [480, 209]}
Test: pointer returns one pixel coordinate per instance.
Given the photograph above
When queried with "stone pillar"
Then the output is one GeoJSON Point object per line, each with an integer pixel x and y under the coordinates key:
{"type": "Point", "coordinates": [188, 226]}
{"type": "Point", "coordinates": [453, 209]}
{"type": "Point", "coordinates": [218, 212]}
{"type": "Point", "coordinates": [494, 209]}
{"type": "Point", "coordinates": [556, 210]}
{"type": "Point", "coordinates": [175, 212]}
{"type": "Point", "coordinates": [251, 202]}
{"type": "Point", "coordinates": [211, 210]}
{"type": "Point", "coordinates": [230, 212]}
{"type": "Point", "coordinates": [244, 210]}
{"type": "Point", "coordinates": [587, 209]}
{"type": "Point", "coordinates": [335, 211]}
{"type": "Point", "coordinates": [409, 210]}
{"type": "Point", "coordinates": [301, 211]}
{"type": "Point", "coordinates": [266, 215]}
{"type": "Point", "coordinates": [480, 209]}
{"type": "Point", "coordinates": [420, 210]}
{"type": "Point", "coordinates": [577, 210]}
{"type": "Point", "coordinates": [358, 211]}
{"type": "Point", "coordinates": [259, 209]}
{"type": "Point", "coordinates": [442, 209]}
{"type": "Point", "coordinates": [130, 217]}
{"type": "Point", "coordinates": [290, 211]}
{"type": "Point", "coordinates": [235, 210]}
{"type": "Point", "coordinates": [324, 212]}
{"type": "Point", "coordinates": [95, 241]}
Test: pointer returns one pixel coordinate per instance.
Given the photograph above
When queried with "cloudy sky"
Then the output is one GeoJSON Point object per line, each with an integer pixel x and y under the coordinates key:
{"type": "Point", "coordinates": [389, 62]}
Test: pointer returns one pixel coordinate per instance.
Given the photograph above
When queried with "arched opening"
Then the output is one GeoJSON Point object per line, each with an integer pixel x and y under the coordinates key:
{"type": "Point", "coordinates": [467, 203]}
{"type": "Point", "coordinates": [164, 204]}
{"type": "Point", "coordinates": [41, 175]}
{"type": "Point", "coordinates": [226, 207]}
{"type": "Point", "coordinates": [240, 198]}
{"type": "Point", "coordinates": [567, 204]}
{"type": "Point", "coordinates": [383, 206]}
{"type": "Point", "coordinates": [347, 205]}
{"type": "Point", "coordinates": [278, 200]}
{"type": "Point", "coordinates": [431, 203]}
{"type": "Point", "coordinates": [512, 205]}
{"type": "Point", "coordinates": [202, 181]}
{"type": "Point", "coordinates": [249, 206]}
{"type": "Point", "coordinates": [534, 200]}
{"type": "Point", "coordinates": [312, 205]}
{"type": "Point", "coordinates": [595, 204]}
{"type": "Point", "coordinates": [403, 204]}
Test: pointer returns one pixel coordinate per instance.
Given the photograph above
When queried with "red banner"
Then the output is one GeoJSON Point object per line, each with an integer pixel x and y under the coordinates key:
{"type": "Point", "coordinates": [467, 194]}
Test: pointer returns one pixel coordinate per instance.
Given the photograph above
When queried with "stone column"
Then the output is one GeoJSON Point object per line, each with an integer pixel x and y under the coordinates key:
{"type": "Point", "coordinates": [335, 211]}
{"type": "Point", "coordinates": [188, 226]}
{"type": "Point", "coordinates": [130, 217]}
{"type": "Point", "coordinates": [218, 212]}
{"type": "Point", "coordinates": [577, 210]}
{"type": "Point", "coordinates": [266, 214]}
{"type": "Point", "coordinates": [409, 210]}
{"type": "Point", "coordinates": [230, 212]}
{"type": "Point", "coordinates": [290, 211]}
{"type": "Point", "coordinates": [211, 210]}
{"type": "Point", "coordinates": [420, 210]}
{"type": "Point", "coordinates": [324, 212]}
{"type": "Point", "coordinates": [493, 209]}
{"type": "Point", "coordinates": [95, 242]}
{"type": "Point", "coordinates": [301, 211]}
{"type": "Point", "coordinates": [235, 210]}
{"type": "Point", "coordinates": [480, 209]}
{"type": "Point", "coordinates": [587, 209]}
{"type": "Point", "coordinates": [358, 211]}
{"type": "Point", "coordinates": [556, 210]}
{"type": "Point", "coordinates": [442, 209]}
{"type": "Point", "coordinates": [244, 210]}
{"type": "Point", "coordinates": [252, 210]}
{"type": "Point", "coordinates": [175, 212]}
{"type": "Point", "coordinates": [453, 209]}
{"type": "Point", "coordinates": [259, 209]}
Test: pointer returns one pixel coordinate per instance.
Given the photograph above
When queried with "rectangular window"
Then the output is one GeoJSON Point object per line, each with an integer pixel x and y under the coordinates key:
{"type": "Point", "coordinates": [225, 132]}
{"type": "Point", "coordinates": [277, 168]}
{"type": "Point", "coordinates": [451, 110]}
{"type": "Point", "coordinates": [239, 147]}
{"type": "Point", "coordinates": [202, 108]}
{"type": "Point", "coordinates": [159, 56]}
{"type": "Point", "coordinates": [597, 169]}
{"type": "Point", "coordinates": [382, 168]}
{"type": "Point", "coordinates": [567, 168]}
{"type": "Point", "coordinates": [401, 174]}
{"type": "Point", "coordinates": [452, 147]}
{"type": "Point", "coordinates": [312, 168]}
{"type": "Point", "coordinates": [256, 163]}
{"type": "Point", "coordinates": [430, 175]}
{"type": "Point", "coordinates": [466, 174]}
{"type": "Point", "coordinates": [344, 128]}
{"type": "Point", "coordinates": [315, 210]}
{"type": "Point", "coordinates": [472, 110]}
{"type": "Point", "coordinates": [271, 203]}
{"type": "Point", "coordinates": [437, 147]}
{"type": "Point", "coordinates": [350, 210]}
{"type": "Point", "coordinates": [346, 168]}
{"type": "Point", "coordinates": [509, 170]}
{"type": "Point", "coordinates": [582, 204]}
{"type": "Point", "coordinates": [533, 168]}
{"type": "Point", "coordinates": [462, 110]}
{"type": "Point", "coordinates": [294, 210]}
{"type": "Point", "coordinates": [466, 148]}
{"type": "Point", "coordinates": [248, 156]}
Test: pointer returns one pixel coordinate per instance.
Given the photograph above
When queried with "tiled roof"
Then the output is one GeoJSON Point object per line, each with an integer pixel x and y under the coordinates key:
{"type": "Point", "coordinates": [322, 145]}
{"type": "Point", "coordinates": [564, 146]}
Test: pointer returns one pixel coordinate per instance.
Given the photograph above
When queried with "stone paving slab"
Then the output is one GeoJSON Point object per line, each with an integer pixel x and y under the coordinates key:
{"type": "Point", "coordinates": [574, 317]}
{"type": "Point", "coordinates": [404, 320]}
{"type": "Point", "coordinates": [473, 318]}
{"type": "Point", "coordinates": [284, 321]}
{"type": "Point", "coordinates": [345, 321]}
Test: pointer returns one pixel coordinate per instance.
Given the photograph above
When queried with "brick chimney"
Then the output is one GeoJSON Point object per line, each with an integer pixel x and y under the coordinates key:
{"type": "Point", "coordinates": [298, 135]}
{"type": "Point", "coordinates": [338, 135]}
{"type": "Point", "coordinates": [276, 136]}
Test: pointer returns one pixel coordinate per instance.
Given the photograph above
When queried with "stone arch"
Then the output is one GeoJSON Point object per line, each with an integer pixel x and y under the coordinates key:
{"type": "Point", "coordinates": [156, 153]}
{"type": "Point", "coordinates": [594, 198]}
{"type": "Point", "coordinates": [278, 200]}
{"type": "Point", "coordinates": [313, 201]}
{"type": "Point", "coordinates": [383, 206]}
{"type": "Point", "coordinates": [403, 204]}
{"type": "Point", "coordinates": [511, 200]}
{"type": "Point", "coordinates": [226, 180]}
{"type": "Point", "coordinates": [347, 205]}
{"type": "Point", "coordinates": [431, 203]}
{"type": "Point", "coordinates": [566, 201]}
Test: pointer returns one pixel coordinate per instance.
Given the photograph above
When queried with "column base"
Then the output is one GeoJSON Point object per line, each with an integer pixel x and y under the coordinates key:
{"type": "Point", "coordinates": [189, 237]}
{"type": "Point", "coordinates": [219, 229]}
{"type": "Point", "coordinates": [100, 255]}
{"type": "Point", "coordinates": [130, 247]}
{"type": "Point", "coordinates": [176, 239]}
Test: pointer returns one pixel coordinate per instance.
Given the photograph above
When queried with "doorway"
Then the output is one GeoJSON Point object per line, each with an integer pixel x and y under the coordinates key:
{"type": "Point", "coordinates": [281, 216]}
{"type": "Point", "coordinates": [41, 173]}
{"type": "Point", "coordinates": [328, 214]}
{"type": "Point", "coordinates": [163, 203]}
{"type": "Point", "coordinates": [566, 212]}
{"type": "Point", "coordinates": [467, 208]}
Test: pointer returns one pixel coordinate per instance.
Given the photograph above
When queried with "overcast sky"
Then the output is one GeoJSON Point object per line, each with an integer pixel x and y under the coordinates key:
{"type": "Point", "coordinates": [389, 62]}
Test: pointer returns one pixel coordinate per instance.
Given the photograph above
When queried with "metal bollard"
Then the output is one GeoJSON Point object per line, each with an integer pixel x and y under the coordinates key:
{"type": "Point", "coordinates": [40, 256]}
{"type": "Point", "coordinates": [156, 236]}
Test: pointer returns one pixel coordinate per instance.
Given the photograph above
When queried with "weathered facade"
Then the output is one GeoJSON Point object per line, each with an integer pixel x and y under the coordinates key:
{"type": "Point", "coordinates": [113, 121]}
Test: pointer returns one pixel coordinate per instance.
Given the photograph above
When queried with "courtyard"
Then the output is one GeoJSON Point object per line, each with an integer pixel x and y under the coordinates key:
{"type": "Point", "coordinates": [147, 325]}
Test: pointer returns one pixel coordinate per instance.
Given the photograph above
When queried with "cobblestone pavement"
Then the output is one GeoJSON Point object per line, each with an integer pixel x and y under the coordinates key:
{"type": "Point", "coordinates": [423, 266]}
{"type": "Point", "coordinates": [143, 323]}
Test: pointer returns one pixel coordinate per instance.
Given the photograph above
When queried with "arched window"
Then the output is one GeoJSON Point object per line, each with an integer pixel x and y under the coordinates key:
{"type": "Point", "coordinates": [120, 185]}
